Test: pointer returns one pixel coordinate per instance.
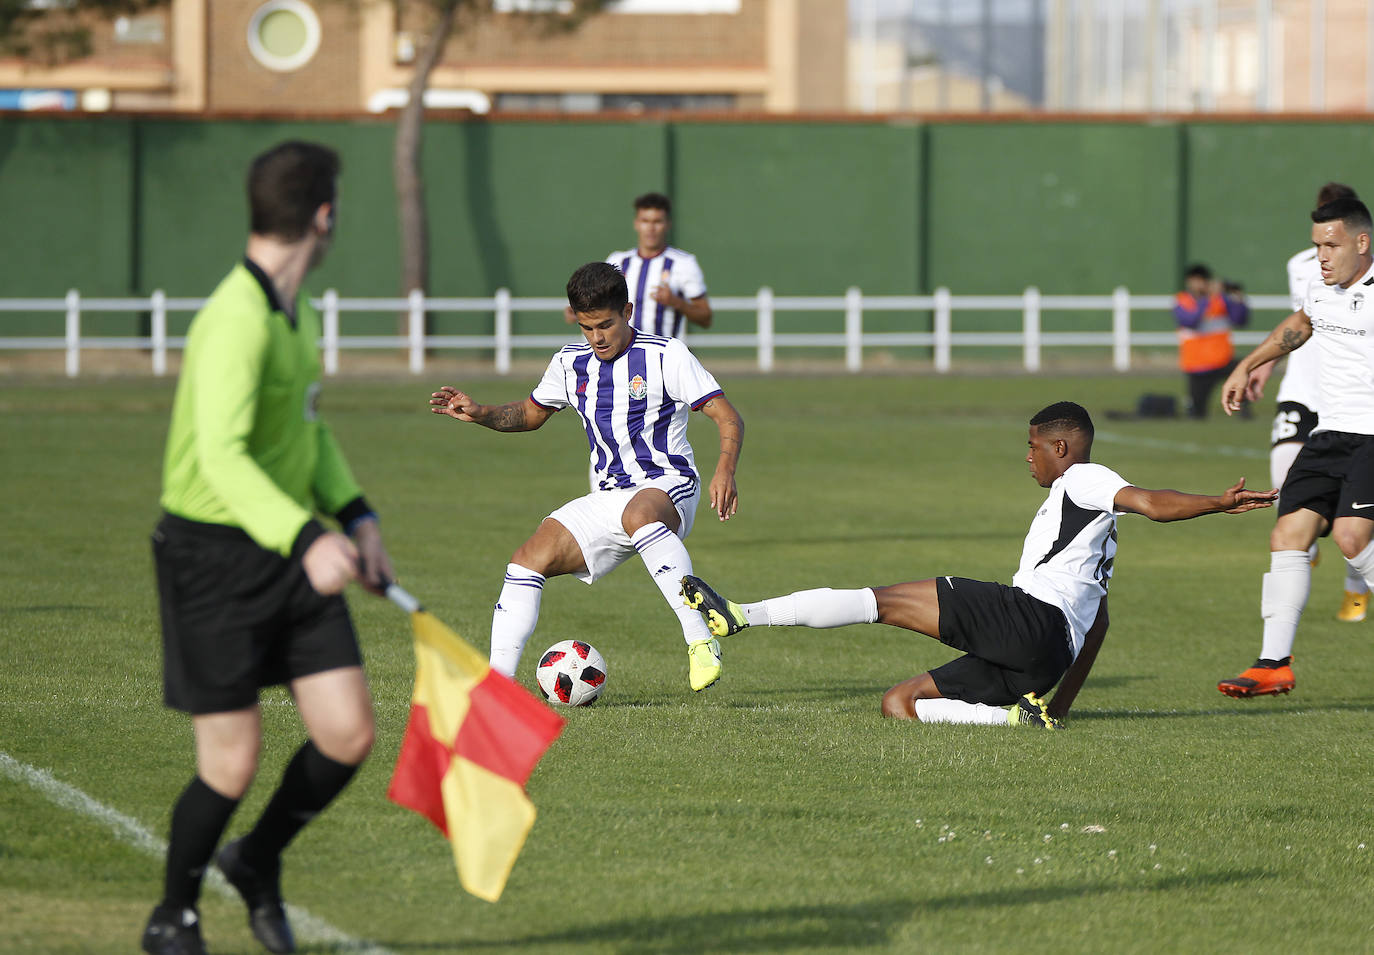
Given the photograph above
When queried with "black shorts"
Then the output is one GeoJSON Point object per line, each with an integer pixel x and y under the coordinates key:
{"type": "Point", "coordinates": [1293, 421]}
{"type": "Point", "coordinates": [237, 618]}
{"type": "Point", "coordinates": [1332, 475]}
{"type": "Point", "coordinates": [1014, 643]}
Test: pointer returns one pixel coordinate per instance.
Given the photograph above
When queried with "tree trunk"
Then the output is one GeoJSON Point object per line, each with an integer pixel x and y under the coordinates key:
{"type": "Point", "coordinates": [410, 187]}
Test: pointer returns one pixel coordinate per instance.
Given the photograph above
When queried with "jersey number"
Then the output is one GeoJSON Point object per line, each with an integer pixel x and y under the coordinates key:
{"type": "Point", "coordinates": [1285, 426]}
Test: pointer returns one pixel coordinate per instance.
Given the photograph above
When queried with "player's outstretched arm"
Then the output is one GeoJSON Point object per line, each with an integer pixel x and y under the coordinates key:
{"type": "Point", "coordinates": [1078, 671]}
{"type": "Point", "coordinates": [526, 415]}
{"type": "Point", "coordinates": [724, 493]}
{"type": "Point", "coordinates": [1167, 505]}
{"type": "Point", "coordinates": [1286, 336]}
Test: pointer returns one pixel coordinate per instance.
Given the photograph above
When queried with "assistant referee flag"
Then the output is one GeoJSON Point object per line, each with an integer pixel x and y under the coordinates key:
{"type": "Point", "coordinates": [473, 739]}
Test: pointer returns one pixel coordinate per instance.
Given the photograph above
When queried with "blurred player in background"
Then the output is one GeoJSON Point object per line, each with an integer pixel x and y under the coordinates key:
{"type": "Point", "coordinates": [1330, 484]}
{"type": "Point", "coordinates": [1205, 312]}
{"type": "Point", "coordinates": [249, 581]}
{"type": "Point", "coordinates": [633, 391]}
{"type": "Point", "coordinates": [666, 285]}
{"type": "Point", "coordinates": [1018, 641]}
{"type": "Point", "coordinates": [1298, 398]}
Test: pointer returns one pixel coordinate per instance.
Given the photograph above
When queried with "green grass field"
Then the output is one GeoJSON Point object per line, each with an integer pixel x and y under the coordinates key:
{"type": "Point", "coordinates": [776, 813]}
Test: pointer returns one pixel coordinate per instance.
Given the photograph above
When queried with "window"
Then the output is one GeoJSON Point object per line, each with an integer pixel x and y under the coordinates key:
{"type": "Point", "coordinates": [284, 34]}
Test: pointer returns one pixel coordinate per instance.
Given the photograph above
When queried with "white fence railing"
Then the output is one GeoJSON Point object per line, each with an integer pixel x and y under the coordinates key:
{"type": "Point", "coordinates": [1116, 310]}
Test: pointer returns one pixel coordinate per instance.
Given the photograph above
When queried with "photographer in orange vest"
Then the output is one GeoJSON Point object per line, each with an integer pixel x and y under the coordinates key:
{"type": "Point", "coordinates": [1206, 311]}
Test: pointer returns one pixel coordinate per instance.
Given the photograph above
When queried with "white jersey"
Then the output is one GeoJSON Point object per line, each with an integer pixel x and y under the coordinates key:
{"type": "Point", "coordinates": [634, 407]}
{"type": "Point", "coordinates": [1071, 545]}
{"type": "Point", "coordinates": [678, 268]}
{"type": "Point", "coordinates": [1343, 334]}
{"type": "Point", "coordinates": [1299, 381]}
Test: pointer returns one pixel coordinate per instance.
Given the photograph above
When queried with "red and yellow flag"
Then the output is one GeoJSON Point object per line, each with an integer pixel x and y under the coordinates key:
{"type": "Point", "coordinates": [473, 739]}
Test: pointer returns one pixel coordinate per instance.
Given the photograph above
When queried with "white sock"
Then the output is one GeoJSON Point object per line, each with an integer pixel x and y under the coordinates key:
{"type": "Point", "coordinates": [957, 711]}
{"type": "Point", "coordinates": [667, 560]}
{"type": "Point", "coordinates": [820, 609]}
{"type": "Point", "coordinates": [1354, 582]}
{"type": "Point", "coordinates": [1360, 568]}
{"type": "Point", "coordinates": [517, 612]}
{"type": "Point", "coordinates": [1282, 597]}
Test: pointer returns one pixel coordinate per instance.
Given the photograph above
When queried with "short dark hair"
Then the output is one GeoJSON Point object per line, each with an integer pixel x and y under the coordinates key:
{"type": "Point", "coordinates": [1333, 191]}
{"type": "Point", "coordinates": [1351, 213]}
{"type": "Point", "coordinates": [1199, 270]}
{"type": "Point", "coordinates": [287, 184]}
{"type": "Point", "coordinates": [596, 286]}
{"type": "Point", "coordinates": [654, 200]}
{"type": "Point", "coordinates": [1062, 417]}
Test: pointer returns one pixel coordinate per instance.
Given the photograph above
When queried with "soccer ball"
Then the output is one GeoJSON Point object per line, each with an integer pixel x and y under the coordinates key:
{"type": "Point", "coordinates": [572, 673]}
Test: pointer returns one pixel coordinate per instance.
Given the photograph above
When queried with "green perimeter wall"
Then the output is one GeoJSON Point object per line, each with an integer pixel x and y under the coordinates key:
{"type": "Point", "coordinates": [125, 205]}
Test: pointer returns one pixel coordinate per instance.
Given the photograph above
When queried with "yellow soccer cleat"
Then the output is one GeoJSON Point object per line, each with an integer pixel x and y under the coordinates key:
{"type": "Point", "coordinates": [1030, 710]}
{"type": "Point", "coordinates": [723, 617]}
{"type": "Point", "coordinates": [1353, 607]}
{"type": "Point", "coordinates": [703, 664]}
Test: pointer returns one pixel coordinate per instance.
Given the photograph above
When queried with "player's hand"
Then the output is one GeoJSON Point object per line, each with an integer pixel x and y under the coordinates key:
{"type": "Point", "coordinates": [375, 570]}
{"type": "Point", "coordinates": [453, 403]}
{"type": "Point", "coordinates": [1233, 391]}
{"type": "Point", "coordinates": [724, 495]}
{"type": "Point", "coordinates": [1254, 385]}
{"type": "Point", "coordinates": [662, 294]}
{"type": "Point", "coordinates": [330, 563]}
{"type": "Point", "coordinates": [1239, 500]}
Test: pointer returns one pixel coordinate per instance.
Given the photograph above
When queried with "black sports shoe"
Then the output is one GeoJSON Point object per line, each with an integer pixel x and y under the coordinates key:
{"type": "Point", "coordinates": [1030, 710]}
{"type": "Point", "coordinates": [261, 891]}
{"type": "Point", "coordinates": [173, 931]}
{"type": "Point", "coordinates": [723, 617]}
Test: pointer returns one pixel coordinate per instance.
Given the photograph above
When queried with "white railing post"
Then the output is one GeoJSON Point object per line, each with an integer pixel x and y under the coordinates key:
{"type": "Point", "coordinates": [765, 329]}
{"type": "Point", "coordinates": [943, 328]}
{"type": "Point", "coordinates": [1031, 328]}
{"type": "Point", "coordinates": [73, 333]}
{"type": "Point", "coordinates": [159, 332]}
{"type": "Point", "coordinates": [853, 329]}
{"type": "Point", "coordinates": [417, 331]}
{"type": "Point", "coordinates": [331, 331]}
{"type": "Point", "coordinates": [1121, 329]}
{"type": "Point", "coordinates": [503, 324]}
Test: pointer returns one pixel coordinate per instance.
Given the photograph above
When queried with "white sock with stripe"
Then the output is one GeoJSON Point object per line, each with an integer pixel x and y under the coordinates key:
{"type": "Point", "coordinates": [667, 560]}
{"type": "Point", "coordinates": [1283, 594]}
{"type": "Point", "coordinates": [515, 616]}
{"type": "Point", "coordinates": [957, 711]}
{"type": "Point", "coordinates": [819, 609]}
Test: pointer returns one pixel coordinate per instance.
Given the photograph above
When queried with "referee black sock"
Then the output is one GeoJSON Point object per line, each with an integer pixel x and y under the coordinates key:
{"type": "Point", "coordinates": [311, 780]}
{"type": "Point", "coordinates": [198, 820]}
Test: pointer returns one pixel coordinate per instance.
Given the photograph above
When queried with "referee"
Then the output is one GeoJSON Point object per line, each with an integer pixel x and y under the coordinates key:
{"type": "Point", "coordinates": [249, 581]}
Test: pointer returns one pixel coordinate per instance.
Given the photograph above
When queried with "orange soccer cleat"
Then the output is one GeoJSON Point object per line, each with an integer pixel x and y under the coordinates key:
{"type": "Point", "coordinates": [1266, 677]}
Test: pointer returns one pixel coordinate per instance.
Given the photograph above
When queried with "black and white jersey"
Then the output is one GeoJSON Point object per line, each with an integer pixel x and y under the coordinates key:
{"type": "Point", "coordinates": [1343, 334]}
{"type": "Point", "coordinates": [1069, 550]}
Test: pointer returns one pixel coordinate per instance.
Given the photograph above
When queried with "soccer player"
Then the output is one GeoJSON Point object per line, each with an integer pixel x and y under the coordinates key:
{"type": "Point", "coordinates": [1019, 640]}
{"type": "Point", "coordinates": [1330, 484]}
{"type": "Point", "coordinates": [633, 391]}
{"type": "Point", "coordinates": [1297, 400]}
{"type": "Point", "coordinates": [666, 284]}
{"type": "Point", "coordinates": [249, 581]}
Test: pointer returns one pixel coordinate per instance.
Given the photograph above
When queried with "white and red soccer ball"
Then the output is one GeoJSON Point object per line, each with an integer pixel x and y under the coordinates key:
{"type": "Point", "coordinates": [571, 673]}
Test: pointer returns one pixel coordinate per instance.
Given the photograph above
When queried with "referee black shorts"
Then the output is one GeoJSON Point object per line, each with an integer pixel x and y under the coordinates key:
{"type": "Point", "coordinates": [1014, 644]}
{"type": "Point", "coordinates": [1332, 475]}
{"type": "Point", "coordinates": [237, 618]}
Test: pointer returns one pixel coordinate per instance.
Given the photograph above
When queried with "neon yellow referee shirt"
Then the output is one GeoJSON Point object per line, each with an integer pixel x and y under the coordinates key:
{"type": "Point", "coordinates": [246, 447]}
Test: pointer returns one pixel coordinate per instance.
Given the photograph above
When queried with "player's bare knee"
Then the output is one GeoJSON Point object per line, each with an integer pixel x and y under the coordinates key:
{"type": "Point", "coordinates": [1351, 540]}
{"type": "Point", "coordinates": [899, 703]}
{"type": "Point", "coordinates": [349, 744]}
{"type": "Point", "coordinates": [229, 771]}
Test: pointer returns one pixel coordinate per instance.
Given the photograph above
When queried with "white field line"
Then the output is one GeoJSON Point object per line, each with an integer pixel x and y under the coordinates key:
{"type": "Point", "coordinates": [308, 928]}
{"type": "Point", "coordinates": [1183, 447]}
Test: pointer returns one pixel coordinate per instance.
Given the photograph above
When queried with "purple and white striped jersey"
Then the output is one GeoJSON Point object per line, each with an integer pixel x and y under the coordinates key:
{"type": "Point", "coordinates": [634, 407]}
{"type": "Point", "coordinates": [678, 268]}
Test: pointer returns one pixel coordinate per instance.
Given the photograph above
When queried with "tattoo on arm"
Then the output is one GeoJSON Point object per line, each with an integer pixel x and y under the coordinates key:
{"type": "Point", "coordinates": [509, 417]}
{"type": "Point", "coordinates": [1291, 339]}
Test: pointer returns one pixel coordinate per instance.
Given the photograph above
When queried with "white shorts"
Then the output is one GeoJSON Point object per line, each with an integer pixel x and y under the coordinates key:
{"type": "Point", "coordinates": [595, 522]}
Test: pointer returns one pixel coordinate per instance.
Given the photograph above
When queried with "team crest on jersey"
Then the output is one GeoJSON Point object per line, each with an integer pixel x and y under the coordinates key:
{"type": "Point", "coordinates": [1357, 301]}
{"type": "Point", "coordinates": [639, 388]}
{"type": "Point", "coordinates": [312, 401]}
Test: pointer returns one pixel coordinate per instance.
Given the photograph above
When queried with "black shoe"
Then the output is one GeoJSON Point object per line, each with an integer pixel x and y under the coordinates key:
{"type": "Point", "coordinates": [173, 931]}
{"type": "Point", "coordinates": [723, 617]}
{"type": "Point", "coordinates": [261, 891]}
